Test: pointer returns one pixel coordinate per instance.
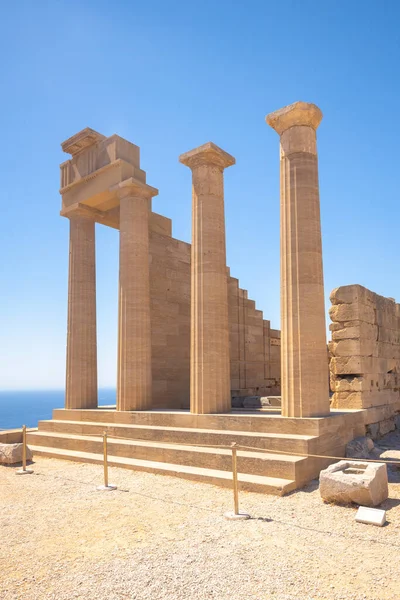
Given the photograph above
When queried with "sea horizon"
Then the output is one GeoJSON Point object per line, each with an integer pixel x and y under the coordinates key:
{"type": "Point", "coordinates": [27, 407]}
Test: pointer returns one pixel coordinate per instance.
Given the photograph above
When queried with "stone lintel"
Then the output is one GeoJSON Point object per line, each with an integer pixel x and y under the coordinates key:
{"type": "Point", "coordinates": [81, 141]}
{"type": "Point", "coordinates": [82, 210]}
{"type": "Point", "coordinates": [109, 218]}
{"type": "Point", "coordinates": [297, 114]}
{"type": "Point", "coordinates": [207, 154]}
{"type": "Point", "coordinates": [134, 187]}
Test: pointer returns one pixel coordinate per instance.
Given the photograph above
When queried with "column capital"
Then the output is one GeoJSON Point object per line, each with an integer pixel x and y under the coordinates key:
{"type": "Point", "coordinates": [134, 187]}
{"type": "Point", "coordinates": [302, 114]}
{"type": "Point", "coordinates": [207, 154]}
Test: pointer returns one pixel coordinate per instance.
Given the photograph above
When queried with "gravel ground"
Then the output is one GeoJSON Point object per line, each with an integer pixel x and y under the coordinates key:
{"type": "Point", "coordinates": [160, 537]}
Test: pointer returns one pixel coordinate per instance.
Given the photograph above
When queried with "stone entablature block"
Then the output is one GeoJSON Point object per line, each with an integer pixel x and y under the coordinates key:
{"type": "Point", "coordinates": [98, 163]}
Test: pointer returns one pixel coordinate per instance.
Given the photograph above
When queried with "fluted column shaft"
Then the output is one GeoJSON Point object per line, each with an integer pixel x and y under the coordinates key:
{"type": "Point", "coordinates": [134, 389]}
{"type": "Point", "coordinates": [81, 375]}
{"type": "Point", "coordinates": [210, 386]}
{"type": "Point", "coordinates": [305, 390]}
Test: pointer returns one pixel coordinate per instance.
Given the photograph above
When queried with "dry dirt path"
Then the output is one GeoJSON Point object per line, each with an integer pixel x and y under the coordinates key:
{"type": "Point", "coordinates": [160, 537]}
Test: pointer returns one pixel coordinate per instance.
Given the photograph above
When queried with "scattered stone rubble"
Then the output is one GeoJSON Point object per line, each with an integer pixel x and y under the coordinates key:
{"type": "Point", "coordinates": [386, 449]}
{"type": "Point", "coordinates": [360, 447]}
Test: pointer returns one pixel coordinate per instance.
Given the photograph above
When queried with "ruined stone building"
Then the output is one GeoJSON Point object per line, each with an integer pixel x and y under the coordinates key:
{"type": "Point", "coordinates": [189, 337]}
{"type": "Point", "coordinates": [97, 164]}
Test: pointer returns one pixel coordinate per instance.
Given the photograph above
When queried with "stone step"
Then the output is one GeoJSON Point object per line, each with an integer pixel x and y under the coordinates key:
{"type": "Point", "coordinates": [258, 463]}
{"type": "Point", "coordinates": [248, 482]}
{"type": "Point", "coordinates": [181, 435]}
{"type": "Point", "coordinates": [237, 421]}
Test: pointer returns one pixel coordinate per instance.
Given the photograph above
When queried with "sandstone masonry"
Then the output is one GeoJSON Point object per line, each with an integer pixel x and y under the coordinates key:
{"type": "Point", "coordinates": [365, 349]}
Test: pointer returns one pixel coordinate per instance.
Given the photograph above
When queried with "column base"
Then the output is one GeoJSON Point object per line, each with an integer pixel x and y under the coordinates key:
{"type": "Point", "coordinates": [231, 516]}
{"type": "Point", "coordinates": [106, 488]}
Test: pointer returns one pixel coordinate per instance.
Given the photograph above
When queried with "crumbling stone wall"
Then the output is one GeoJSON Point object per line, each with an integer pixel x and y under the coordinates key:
{"type": "Point", "coordinates": [254, 346]}
{"type": "Point", "coordinates": [365, 349]}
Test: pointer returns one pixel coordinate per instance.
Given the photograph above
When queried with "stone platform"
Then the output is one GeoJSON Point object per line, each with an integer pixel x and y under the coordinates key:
{"type": "Point", "coordinates": [159, 441]}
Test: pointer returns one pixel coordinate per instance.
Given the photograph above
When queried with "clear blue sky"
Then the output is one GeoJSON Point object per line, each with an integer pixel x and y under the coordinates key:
{"type": "Point", "coordinates": [170, 76]}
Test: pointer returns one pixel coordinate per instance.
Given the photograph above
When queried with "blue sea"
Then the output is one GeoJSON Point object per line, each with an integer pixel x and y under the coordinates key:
{"type": "Point", "coordinates": [27, 408]}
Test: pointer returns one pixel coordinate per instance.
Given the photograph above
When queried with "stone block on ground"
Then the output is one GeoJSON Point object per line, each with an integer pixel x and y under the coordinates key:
{"type": "Point", "coordinates": [255, 401]}
{"type": "Point", "coordinates": [371, 516]}
{"type": "Point", "coordinates": [360, 447]}
{"type": "Point", "coordinates": [237, 402]}
{"type": "Point", "coordinates": [271, 401]}
{"type": "Point", "coordinates": [252, 402]}
{"type": "Point", "coordinates": [373, 430]}
{"type": "Point", "coordinates": [386, 426]}
{"type": "Point", "coordinates": [349, 482]}
{"type": "Point", "coordinates": [11, 454]}
{"type": "Point", "coordinates": [391, 455]}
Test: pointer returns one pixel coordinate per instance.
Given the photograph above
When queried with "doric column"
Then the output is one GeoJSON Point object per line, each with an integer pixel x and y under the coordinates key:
{"type": "Point", "coordinates": [134, 386]}
{"type": "Point", "coordinates": [210, 390]}
{"type": "Point", "coordinates": [81, 376]}
{"type": "Point", "coordinates": [304, 355]}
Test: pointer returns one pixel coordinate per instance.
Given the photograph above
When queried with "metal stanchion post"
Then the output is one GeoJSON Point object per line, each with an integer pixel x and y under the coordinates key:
{"type": "Point", "coordinates": [235, 515]}
{"type": "Point", "coordinates": [24, 470]}
{"type": "Point", "coordinates": [107, 486]}
{"type": "Point", "coordinates": [235, 480]}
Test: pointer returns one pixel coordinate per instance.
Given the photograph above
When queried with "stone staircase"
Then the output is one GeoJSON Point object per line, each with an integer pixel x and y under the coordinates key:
{"type": "Point", "coordinates": [160, 442]}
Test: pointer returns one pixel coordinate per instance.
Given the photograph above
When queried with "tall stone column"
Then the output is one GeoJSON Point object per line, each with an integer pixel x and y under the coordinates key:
{"type": "Point", "coordinates": [210, 386]}
{"type": "Point", "coordinates": [81, 376]}
{"type": "Point", "coordinates": [134, 386]}
{"type": "Point", "coordinates": [304, 353]}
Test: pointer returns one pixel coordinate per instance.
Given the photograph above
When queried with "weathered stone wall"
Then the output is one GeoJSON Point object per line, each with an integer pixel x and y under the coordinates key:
{"type": "Point", "coordinates": [365, 349]}
{"type": "Point", "coordinates": [12, 436]}
{"type": "Point", "coordinates": [254, 346]}
{"type": "Point", "coordinates": [170, 320]}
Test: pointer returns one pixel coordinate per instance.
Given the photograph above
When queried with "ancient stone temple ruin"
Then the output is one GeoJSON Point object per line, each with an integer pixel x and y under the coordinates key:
{"type": "Point", "coordinates": [103, 183]}
{"type": "Point", "coordinates": [191, 344]}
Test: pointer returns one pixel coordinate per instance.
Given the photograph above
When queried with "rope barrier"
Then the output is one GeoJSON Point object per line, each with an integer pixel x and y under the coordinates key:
{"type": "Point", "coordinates": [251, 448]}
{"type": "Point", "coordinates": [363, 460]}
{"type": "Point", "coordinates": [117, 437]}
{"type": "Point", "coordinates": [234, 447]}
